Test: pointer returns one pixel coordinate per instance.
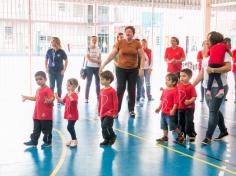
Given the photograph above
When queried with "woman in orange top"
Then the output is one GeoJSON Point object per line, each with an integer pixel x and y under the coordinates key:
{"type": "Point", "coordinates": [127, 69]}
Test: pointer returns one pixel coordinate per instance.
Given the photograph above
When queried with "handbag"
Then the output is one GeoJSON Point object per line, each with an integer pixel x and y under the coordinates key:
{"type": "Point", "coordinates": [83, 70]}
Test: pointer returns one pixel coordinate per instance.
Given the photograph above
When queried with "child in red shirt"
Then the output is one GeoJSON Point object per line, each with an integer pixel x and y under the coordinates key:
{"type": "Point", "coordinates": [217, 54]}
{"type": "Point", "coordinates": [168, 106]}
{"type": "Point", "coordinates": [71, 109]}
{"type": "Point", "coordinates": [107, 108]}
{"type": "Point", "coordinates": [42, 112]}
{"type": "Point", "coordinates": [187, 96]}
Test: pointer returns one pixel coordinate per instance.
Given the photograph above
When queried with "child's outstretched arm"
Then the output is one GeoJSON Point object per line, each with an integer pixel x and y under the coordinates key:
{"type": "Point", "coordinates": [24, 97]}
{"type": "Point", "coordinates": [60, 100]}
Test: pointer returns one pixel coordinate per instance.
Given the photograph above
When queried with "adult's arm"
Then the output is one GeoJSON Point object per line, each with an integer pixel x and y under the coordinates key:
{"type": "Point", "coordinates": [199, 77]}
{"type": "Point", "coordinates": [225, 68]}
{"type": "Point", "coordinates": [46, 64]}
{"type": "Point", "coordinates": [109, 58]}
{"type": "Point", "coordinates": [142, 56]}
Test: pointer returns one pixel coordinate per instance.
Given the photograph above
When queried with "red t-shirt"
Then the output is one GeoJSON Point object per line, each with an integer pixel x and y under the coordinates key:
{"type": "Point", "coordinates": [186, 92]}
{"type": "Point", "coordinates": [42, 110]}
{"type": "Point", "coordinates": [149, 54]}
{"type": "Point", "coordinates": [71, 109]}
{"type": "Point", "coordinates": [234, 60]}
{"type": "Point", "coordinates": [199, 59]}
{"type": "Point", "coordinates": [217, 53]}
{"type": "Point", "coordinates": [169, 98]}
{"type": "Point", "coordinates": [108, 103]}
{"type": "Point", "coordinates": [177, 53]}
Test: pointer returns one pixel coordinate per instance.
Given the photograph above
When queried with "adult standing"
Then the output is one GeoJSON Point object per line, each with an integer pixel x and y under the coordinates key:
{"type": "Point", "coordinates": [127, 67]}
{"type": "Point", "coordinates": [200, 55]}
{"type": "Point", "coordinates": [119, 37]}
{"type": "Point", "coordinates": [215, 115]}
{"type": "Point", "coordinates": [93, 65]}
{"type": "Point", "coordinates": [54, 64]}
{"type": "Point", "coordinates": [174, 56]}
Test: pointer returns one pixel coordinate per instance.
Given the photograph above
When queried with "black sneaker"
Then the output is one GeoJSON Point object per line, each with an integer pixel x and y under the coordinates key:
{"type": "Point", "coordinates": [222, 135]}
{"type": "Point", "coordinates": [191, 139]}
{"type": "Point", "coordinates": [132, 114]}
{"type": "Point", "coordinates": [45, 145]}
{"type": "Point", "coordinates": [112, 140]}
{"type": "Point", "coordinates": [180, 138]}
{"type": "Point", "coordinates": [163, 139]}
{"type": "Point", "coordinates": [105, 143]}
{"type": "Point", "coordinates": [206, 141]}
{"type": "Point", "coordinates": [30, 143]}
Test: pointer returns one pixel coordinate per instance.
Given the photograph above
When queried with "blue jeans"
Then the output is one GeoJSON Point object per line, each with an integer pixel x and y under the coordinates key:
{"type": "Point", "coordinates": [90, 72]}
{"type": "Point", "coordinates": [139, 88]}
{"type": "Point", "coordinates": [56, 76]}
{"type": "Point", "coordinates": [215, 116]}
{"type": "Point", "coordinates": [148, 85]}
{"type": "Point", "coordinates": [168, 122]}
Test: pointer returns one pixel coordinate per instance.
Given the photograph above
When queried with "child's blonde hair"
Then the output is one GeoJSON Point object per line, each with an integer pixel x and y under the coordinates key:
{"type": "Point", "coordinates": [74, 82]}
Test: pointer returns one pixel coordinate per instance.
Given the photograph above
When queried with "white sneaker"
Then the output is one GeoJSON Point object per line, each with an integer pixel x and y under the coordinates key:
{"type": "Point", "coordinates": [68, 143]}
{"type": "Point", "coordinates": [73, 143]}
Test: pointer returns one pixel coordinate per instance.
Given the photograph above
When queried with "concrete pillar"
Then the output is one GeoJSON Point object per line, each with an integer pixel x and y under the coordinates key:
{"type": "Point", "coordinates": [206, 9]}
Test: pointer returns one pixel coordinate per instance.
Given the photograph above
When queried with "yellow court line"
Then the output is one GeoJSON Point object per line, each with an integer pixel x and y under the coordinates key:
{"type": "Point", "coordinates": [181, 153]}
{"type": "Point", "coordinates": [63, 154]}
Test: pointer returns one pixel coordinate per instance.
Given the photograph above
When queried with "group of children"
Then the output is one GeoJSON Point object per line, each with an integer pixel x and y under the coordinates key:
{"type": "Point", "coordinates": [43, 111]}
{"type": "Point", "coordinates": [177, 106]}
{"type": "Point", "coordinates": [177, 103]}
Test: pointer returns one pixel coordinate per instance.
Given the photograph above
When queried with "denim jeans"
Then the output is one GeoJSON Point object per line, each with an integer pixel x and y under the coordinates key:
{"type": "Point", "coordinates": [215, 115]}
{"type": "Point", "coordinates": [130, 76]}
{"type": "Point", "coordinates": [147, 78]}
{"type": "Point", "coordinates": [139, 87]}
{"type": "Point", "coordinates": [56, 76]}
{"type": "Point", "coordinates": [90, 72]}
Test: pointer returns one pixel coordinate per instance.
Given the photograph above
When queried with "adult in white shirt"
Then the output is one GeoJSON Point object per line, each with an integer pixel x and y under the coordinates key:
{"type": "Point", "coordinates": [215, 115]}
{"type": "Point", "coordinates": [92, 67]}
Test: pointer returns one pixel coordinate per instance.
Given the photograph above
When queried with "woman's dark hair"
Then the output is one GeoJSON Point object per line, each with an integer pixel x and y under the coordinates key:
{"type": "Point", "coordinates": [176, 39]}
{"type": "Point", "coordinates": [107, 75]}
{"type": "Point", "coordinates": [41, 74]}
{"type": "Point", "coordinates": [131, 28]}
{"type": "Point", "coordinates": [215, 37]}
{"type": "Point", "coordinates": [173, 77]}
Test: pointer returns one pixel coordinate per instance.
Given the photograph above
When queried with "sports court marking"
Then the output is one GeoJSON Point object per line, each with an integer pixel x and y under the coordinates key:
{"type": "Point", "coordinates": [179, 152]}
{"type": "Point", "coordinates": [63, 153]}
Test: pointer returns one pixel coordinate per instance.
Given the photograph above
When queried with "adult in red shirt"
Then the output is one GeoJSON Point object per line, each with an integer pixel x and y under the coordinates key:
{"type": "Point", "coordinates": [234, 72]}
{"type": "Point", "coordinates": [107, 108]}
{"type": "Point", "coordinates": [174, 56]}
{"type": "Point", "coordinates": [42, 112]}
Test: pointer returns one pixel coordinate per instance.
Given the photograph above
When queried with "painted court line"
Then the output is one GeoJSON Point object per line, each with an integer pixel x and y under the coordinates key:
{"type": "Point", "coordinates": [179, 152]}
{"type": "Point", "coordinates": [63, 154]}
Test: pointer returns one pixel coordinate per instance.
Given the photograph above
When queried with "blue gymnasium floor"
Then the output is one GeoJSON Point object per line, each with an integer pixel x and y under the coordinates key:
{"type": "Point", "coordinates": [134, 153]}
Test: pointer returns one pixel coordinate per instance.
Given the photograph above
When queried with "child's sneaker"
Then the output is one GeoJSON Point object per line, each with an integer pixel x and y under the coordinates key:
{"type": "Point", "coordinates": [68, 143]}
{"type": "Point", "coordinates": [45, 145]}
{"type": "Point", "coordinates": [180, 137]}
{"type": "Point", "coordinates": [73, 143]}
{"type": "Point", "coordinates": [112, 140]}
{"type": "Point", "coordinates": [208, 95]}
{"type": "Point", "coordinates": [163, 139]}
{"type": "Point", "coordinates": [30, 143]}
{"type": "Point", "coordinates": [105, 143]}
{"type": "Point", "coordinates": [220, 93]}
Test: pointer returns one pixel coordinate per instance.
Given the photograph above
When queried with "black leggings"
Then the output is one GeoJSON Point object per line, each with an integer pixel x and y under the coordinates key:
{"type": "Point", "coordinates": [71, 129]}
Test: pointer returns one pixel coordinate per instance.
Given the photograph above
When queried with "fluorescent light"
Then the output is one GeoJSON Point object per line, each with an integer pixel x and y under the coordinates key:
{"type": "Point", "coordinates": [224, 4]}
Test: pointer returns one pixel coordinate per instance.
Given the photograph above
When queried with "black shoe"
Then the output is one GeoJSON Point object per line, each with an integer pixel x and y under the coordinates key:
{"type": "Point", "coordinates": [30, 143]}
{"type": "Point", "coordinates": [105, 143]}
{"type": "Point", "coordinates": [191, 139]}
{"type": "Point", "coordinates": [132, 114]}
{"type": "Point", "coordinates": [46, 145]}
{"type": "Point", "coordinates": [222, 135]}
{"type": "Point", "coordinates": [206, 141]}
{"type": "Point", "coordinates": [112, 140]}
{"type": "Point", "coordinates": [163, 139]}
